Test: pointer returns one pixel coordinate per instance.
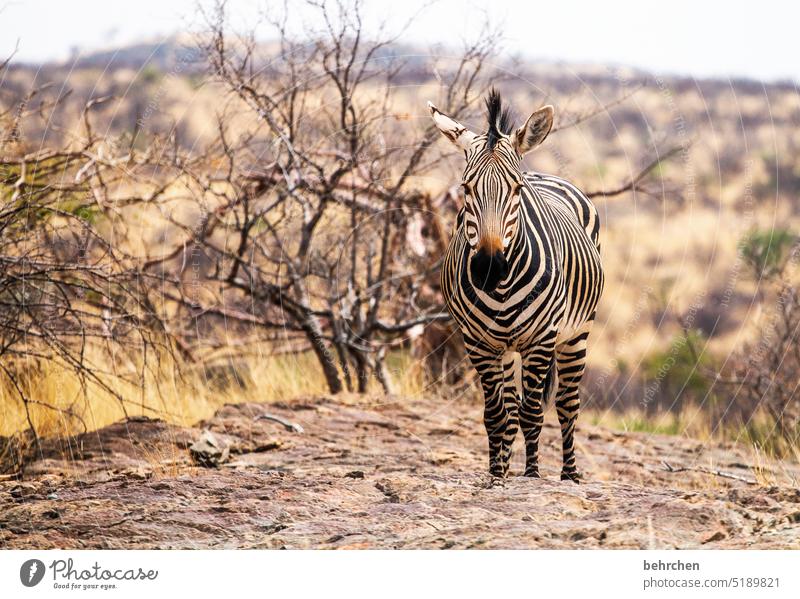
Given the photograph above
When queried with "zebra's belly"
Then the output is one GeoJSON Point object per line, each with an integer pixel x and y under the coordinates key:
{"type": "Point", "coordinates": [584, 286]}
{"type": "Point", "coordinates": [529, 315]}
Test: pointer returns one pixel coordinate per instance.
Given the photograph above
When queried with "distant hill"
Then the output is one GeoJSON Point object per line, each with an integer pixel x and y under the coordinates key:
{"type": "Point", "coordinates": [180, 52]}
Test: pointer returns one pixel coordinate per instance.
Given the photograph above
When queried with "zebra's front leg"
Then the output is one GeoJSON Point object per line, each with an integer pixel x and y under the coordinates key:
{"type": "Point", "coordinates": [537, 378]}
{"type": "Point", "coordinates": [499, 415]}
{"type": "Point", "coordinates": [510, 397]}
{"type": "Point", "coordinates": [571, 363]}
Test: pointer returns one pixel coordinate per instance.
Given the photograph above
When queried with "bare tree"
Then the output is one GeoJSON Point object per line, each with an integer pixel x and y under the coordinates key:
{"type": "Point", "coordinates": [304, 220]}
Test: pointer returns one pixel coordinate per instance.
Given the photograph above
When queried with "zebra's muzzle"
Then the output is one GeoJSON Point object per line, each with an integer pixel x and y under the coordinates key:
{"type": "Point", "coordinates": [488, 269]}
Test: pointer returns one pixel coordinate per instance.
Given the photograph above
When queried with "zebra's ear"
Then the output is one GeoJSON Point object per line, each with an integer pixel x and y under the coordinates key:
{"type": "Point", "coordinates": [535, 130]}
{"type": "Point", "coordinates": [452, 129]}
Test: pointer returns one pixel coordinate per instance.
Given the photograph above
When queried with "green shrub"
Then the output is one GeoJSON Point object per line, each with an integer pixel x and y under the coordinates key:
{"type": "Point", "coordinates": [680, 370]}
{"type": "Point", "coordinates": [766, 251]}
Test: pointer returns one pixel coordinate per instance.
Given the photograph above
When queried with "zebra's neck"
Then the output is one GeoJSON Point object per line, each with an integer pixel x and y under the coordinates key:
{"type": "Point", "coordinates": [532, 247]}
{"type": "Point", "coordinates": [517, 254]}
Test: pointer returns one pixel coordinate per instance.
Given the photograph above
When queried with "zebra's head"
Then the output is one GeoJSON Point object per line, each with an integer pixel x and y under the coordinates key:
{"type": "Point", "coordinates": [492, 183]}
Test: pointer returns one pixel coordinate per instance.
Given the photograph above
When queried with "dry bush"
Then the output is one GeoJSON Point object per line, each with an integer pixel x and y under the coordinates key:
{"type": "Point", "coordinates": [70, 294]}
{"type": "Point", "coordinates": [766, 376]}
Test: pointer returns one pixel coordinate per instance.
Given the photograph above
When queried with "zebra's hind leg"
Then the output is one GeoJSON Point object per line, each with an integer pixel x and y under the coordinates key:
{"type": "Point", "coordinates": [570, 363]}
{"type": "Point", "coordinates": [499, 416]}
{"type": "Point", "coordinates": [537, 375]}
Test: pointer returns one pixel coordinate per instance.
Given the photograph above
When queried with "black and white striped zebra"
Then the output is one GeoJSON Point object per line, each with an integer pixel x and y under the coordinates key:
{"type": "Point", "coordinates": [522, 277]}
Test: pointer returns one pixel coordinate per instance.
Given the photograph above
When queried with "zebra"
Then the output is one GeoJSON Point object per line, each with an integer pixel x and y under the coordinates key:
{"type": "Point", "coordinates": [522, 277]}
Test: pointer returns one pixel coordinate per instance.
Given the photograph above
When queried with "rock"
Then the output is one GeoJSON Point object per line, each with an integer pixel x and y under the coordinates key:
{"type": "Point", "coordinates": [22, 490]}
{"type": "Point", "coordinates": [267, 446]}
{"type": "Point", "coordinates": [208, 451]}
{"type": "Point", "coordinates": [342, 486]}
{"type": "Point", "coordinates": [387, 488]}
{"type": "Point", "coordinates": [717, 536]}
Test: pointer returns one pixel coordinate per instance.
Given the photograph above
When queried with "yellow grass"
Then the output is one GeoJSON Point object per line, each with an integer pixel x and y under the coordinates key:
{"type": "Point", "coordinates": [690, 421]}
{"type": "Point", "coordinates": [765, 448]}
{"type": "Point", "coordinates": [58, 402]}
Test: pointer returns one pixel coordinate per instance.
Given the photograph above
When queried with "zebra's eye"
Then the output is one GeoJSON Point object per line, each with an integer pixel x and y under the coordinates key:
{"type": "Point", "coordinates": [465, 187]}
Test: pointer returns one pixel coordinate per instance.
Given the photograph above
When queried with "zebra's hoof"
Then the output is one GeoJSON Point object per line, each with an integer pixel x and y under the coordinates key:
{"type": "Point", "coordinates": [498, 467]}
{"type": "Point", "coordinates": [574, 476]}
{"type": "Point", "coordinates": [532, 473]}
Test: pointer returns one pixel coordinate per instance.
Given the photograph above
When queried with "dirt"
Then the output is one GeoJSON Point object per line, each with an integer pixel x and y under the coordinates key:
{"type": "Point", "coordinates": [388, 473]}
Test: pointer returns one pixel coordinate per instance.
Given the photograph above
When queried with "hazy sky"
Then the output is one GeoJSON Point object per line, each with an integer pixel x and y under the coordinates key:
{"type": "Point", "coordinates": [754, 39]}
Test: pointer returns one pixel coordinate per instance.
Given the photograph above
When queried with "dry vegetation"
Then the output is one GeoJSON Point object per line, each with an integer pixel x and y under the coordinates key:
{"type": "Point", "coordinates": [238, 222]}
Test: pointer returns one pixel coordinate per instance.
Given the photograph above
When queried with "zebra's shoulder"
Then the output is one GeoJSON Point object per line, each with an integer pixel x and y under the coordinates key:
{"type": "Point", "coordinates": [555, 183]}
{"type": "Point", "coordinates": [561, 193]}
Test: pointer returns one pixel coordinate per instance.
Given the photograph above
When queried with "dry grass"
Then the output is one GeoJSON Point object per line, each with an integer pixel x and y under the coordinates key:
{"type": "Point", "coordinates": [199, 392]}
{"type": "Point", "coordinates": [59, 406]}
{"type": "Point", "coordinates": [763, 447]}
{"type": "Point", "coordinates": [690, 421]}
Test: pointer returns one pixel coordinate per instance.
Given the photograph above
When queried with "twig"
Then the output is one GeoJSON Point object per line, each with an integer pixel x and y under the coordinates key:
{"type": "Point", "coordinates": [290, 426]}
{"type": "Point", "coordinates": [670, 468]}
{"type": "Point", "coordinates": [633, 184]}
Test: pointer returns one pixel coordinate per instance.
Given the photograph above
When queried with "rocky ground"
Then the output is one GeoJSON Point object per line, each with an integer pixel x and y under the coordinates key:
{"type": "Point", "coordinates": [388, 473]}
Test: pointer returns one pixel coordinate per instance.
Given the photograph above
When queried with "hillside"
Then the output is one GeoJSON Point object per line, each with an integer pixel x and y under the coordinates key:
{"type": "Point", "coordinates": [389, 472]}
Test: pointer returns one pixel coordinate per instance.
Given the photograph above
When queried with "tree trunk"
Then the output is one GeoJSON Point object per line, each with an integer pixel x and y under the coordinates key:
{"type": "Point", "coordinates": [362, 370]}
{"type": "Point", "coordinates": [380, 372]}
{"type": "Point", "coordinates": [326, 360]}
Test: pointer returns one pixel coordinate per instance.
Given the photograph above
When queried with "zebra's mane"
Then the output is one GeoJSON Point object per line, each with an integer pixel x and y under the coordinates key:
{"type": "Point", "coordinates": [500, 118]}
